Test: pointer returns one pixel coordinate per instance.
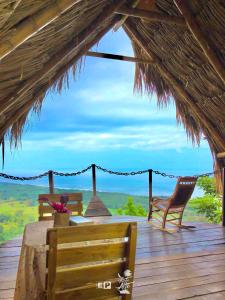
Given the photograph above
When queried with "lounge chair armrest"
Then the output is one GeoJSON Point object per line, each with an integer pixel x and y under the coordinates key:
{"type": "Point", "coordinates": [157, 199]}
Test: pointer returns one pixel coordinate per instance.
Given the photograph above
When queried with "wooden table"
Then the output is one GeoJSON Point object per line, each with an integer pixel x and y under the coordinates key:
{"type": "Point", "coordinates": [30, 283]}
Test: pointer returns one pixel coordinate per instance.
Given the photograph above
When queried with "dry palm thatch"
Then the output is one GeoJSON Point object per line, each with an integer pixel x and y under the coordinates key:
{"type": "Point", "coordinates": [188, 57]}
{"type": "Point", "coordinates": [183, 71]}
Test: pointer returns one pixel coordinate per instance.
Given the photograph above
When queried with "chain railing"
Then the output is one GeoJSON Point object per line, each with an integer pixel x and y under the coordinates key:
{"type": "Point", "coordinates": [132, 173]}
{"type": "Point", "coordinates": [74, 173]}
{"type": "Point", "coordinates": [93, 167]}
{"type": "Point", "coordinates": [51, 175]}
{"type": "Point", "coordinates": [121, 173]}
{"type": "Point", "coordinates": [7, 176]}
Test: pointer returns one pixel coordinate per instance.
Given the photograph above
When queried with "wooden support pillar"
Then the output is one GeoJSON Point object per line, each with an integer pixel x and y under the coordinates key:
{"type": "Point", "coordinates": [223, 199]}
{"type": "Point", "coordinates": [94, 180]}
{"type": "Point", "coordinates": [150, 193]}
{"type": "Point", "coordinates": [51, 182]}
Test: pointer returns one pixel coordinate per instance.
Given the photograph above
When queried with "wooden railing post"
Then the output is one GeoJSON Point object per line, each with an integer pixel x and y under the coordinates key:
{"type": "Point", "coordinates": [94, 179]}
{"type": "Point", "coordinates": [223, 199]}
{"type": "Point", "coordinates": [96, 207]}
{"type": "Point", "coordinates": [51, 182]}
{"type": "Point", "coordinates": [150, 193]}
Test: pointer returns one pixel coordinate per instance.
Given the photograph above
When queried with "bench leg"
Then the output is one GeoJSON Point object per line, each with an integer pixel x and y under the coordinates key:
{"type": "Point", "coordinates": [150, 212]}
{"type": "Point", "coordinates": [164, 219]}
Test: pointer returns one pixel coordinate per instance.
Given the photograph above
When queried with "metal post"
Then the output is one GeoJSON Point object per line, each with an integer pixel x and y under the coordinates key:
{"type": "Point", "coordinates": [51, 182]}
{"type": "Point", "coordinates": [223, 199]}
{"type": "Point", "coordinates": [150, 193]}
{"type": "Point", "coordinates": [94, 179]}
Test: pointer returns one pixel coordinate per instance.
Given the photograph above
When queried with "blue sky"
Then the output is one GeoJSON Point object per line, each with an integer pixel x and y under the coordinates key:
{"type": "Point", "coordinates": [99, 120]}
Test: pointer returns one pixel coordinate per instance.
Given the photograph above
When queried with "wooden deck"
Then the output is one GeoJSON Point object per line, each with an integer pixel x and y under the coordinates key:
{"type": "Point", "coordinates": [186, 265]}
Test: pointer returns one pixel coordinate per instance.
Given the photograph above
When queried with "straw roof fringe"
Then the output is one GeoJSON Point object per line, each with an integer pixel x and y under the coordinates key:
{"type": "Point", "coordinates": [188, 61]}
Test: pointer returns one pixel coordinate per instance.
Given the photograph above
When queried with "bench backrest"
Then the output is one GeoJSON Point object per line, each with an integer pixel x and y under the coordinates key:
{"type": "Point", "coordinates": [183, 191]}
{"type": "Point", "coordinates": [46, 211]}
{"type": "Point", "coordinates": [81, 257]}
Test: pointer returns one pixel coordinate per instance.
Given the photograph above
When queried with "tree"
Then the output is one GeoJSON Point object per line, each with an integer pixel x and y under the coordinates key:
{"type": "Point", "coordinates": [210, 204]}
{"type": "Point", "coordinates": [14, 216]}
{"type": "Point", "coordinates": [132, 209]}
{"type": "Point", "coordinates": [208, 185]}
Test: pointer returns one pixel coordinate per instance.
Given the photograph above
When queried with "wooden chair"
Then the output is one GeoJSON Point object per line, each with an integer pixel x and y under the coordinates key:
{"type": "Point", "coordinates": [174, 205]}
{"type": "Point", "coordinates": [78, 271]}
{"type": "Point", "coordinates": [46, 211]}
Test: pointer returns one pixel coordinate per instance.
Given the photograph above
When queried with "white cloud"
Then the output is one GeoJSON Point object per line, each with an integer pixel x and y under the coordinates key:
{"type": "Point", "coordinates": [147, 138]}
{"type": "Point", "coordinates": [116, 99]}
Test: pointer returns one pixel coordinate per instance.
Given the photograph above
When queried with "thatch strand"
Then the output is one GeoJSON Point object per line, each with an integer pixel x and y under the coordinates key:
{"type": "Point", "coordinates": [179, 90]}
{"type": "Point", "coordinates": [59, 56]}
{"type": "Point", "coordinates": [20, 33]}
{"type": "Point", "coordinates": [181, 72]}
{"type": "Point", "coordinates": [206, 46]}
{"type": "Point", "coordinates": [7, 9]}
{"type": "Point", "coordinates": [56, 83]}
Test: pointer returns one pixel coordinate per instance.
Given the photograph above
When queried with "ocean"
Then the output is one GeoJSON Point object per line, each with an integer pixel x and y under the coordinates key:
{"type": "Point", "coordinates": [134, 185]}
{"type": "Point", "coordinates": [187, 162]}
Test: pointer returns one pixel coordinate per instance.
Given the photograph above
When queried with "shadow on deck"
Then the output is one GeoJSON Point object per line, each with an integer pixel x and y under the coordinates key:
{"type": "Point", "coordinates": [189, 264]}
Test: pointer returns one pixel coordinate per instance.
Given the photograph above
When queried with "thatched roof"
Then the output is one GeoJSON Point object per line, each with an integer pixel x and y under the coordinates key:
{"type": "Point", "coordinates": [187, 63]}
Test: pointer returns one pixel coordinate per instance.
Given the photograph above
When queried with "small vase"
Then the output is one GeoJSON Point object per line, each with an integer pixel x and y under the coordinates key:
{"type": "Point", "coordinates": [61, 219]}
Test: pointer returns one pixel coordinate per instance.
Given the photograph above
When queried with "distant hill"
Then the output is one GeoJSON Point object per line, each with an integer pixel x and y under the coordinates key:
{"type": "Point", "coordinates": [26, 192]}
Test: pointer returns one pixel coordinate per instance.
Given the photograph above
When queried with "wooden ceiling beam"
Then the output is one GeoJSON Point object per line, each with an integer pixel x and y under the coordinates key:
{"type": "Point", "coordinates": [151, 16]}
{"type": "Point", "coordinates": [178, 88]}
{"type": "Point", "coordinates": [134, 3]}
{"type": "Point", "coordinates": [195, 29]}
{"type": "Point", "coordinates": [31, 25]}
{"type": "Point", "coordinates": [221, 155]}
{"type": "Point", "coordinates": [118, 57]}
{"type": "Point", "coordinates": [60, 56]}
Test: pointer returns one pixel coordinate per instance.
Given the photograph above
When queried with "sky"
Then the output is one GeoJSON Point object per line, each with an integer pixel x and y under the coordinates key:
{"type": "Point", "coordinates": [100, 120]}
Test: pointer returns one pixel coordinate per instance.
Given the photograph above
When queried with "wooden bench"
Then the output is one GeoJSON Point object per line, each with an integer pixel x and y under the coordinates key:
{"type": "Point", "coordinates": [46, 211]}
{"type": "Point", "coordinates": [75, 271]}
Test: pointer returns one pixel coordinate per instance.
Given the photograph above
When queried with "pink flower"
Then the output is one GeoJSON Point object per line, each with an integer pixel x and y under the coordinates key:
{"type": "Point", "coordinates": [59, 207]}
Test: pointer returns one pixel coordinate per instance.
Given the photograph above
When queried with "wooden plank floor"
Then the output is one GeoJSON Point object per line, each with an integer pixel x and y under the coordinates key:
{"type": "Point", "coordinates": [189, 264]}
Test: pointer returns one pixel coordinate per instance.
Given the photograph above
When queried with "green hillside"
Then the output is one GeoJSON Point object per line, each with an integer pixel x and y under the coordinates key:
{"type": "Point", "coordinates": [18, 206]}
{"type": "Point", "coordinates": [22, 192]}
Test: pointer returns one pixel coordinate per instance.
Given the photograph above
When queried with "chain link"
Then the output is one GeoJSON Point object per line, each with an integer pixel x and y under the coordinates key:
{"type": "Point", "coordinates": [23, 178]}
{"type": "Point", "coordinates": [207, 174]}
{"type": "Point", "coordinates": [146, 171]}
{"type": "Point", "coordinates": [177, 176]}
{"type": "Point", "coordinates": [72, 174]}
{"type": "Point", "coordinates": [121, 173]}
{"type": "Point", "coordinates": [104, 170]}
{"type": "Point", "coordinates": [164, 174]}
